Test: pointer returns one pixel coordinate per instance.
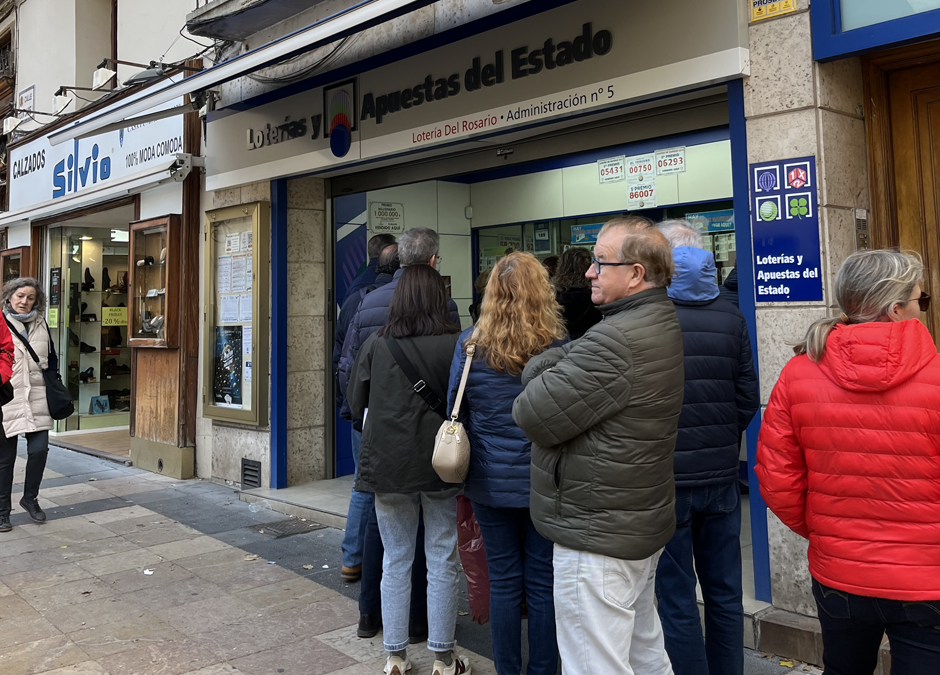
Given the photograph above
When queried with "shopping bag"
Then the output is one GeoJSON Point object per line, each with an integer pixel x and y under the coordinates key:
{"type": "Point", "coordinates": [473, 559]}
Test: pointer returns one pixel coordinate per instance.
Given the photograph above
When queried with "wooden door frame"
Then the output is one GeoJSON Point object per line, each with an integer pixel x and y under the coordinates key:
{"type": "Point", "coordinates": [876, 68]}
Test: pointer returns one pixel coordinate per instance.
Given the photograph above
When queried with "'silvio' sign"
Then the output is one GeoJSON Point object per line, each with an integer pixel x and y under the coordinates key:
{"type": "Point", "coordinates": [73, 173]}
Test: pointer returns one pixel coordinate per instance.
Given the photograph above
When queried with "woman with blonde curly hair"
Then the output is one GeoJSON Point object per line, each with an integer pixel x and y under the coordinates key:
{"type": "Point", "coordinates": [519, 319]}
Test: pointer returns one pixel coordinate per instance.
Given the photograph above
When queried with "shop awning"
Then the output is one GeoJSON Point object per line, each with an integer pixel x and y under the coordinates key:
{"type": "Point", "coordinates": [342, 24]}
{"type": "Point", "coordinates": [172, 170]}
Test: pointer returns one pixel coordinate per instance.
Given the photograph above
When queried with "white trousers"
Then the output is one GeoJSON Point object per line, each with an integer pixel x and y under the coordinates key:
{"type": "Point", "coordinates": [605, 617]}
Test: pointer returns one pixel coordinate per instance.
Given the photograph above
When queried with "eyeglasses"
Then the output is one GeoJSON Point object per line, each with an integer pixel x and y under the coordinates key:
{"type": "Point", "coordinates": [598, 265]}
{"type": "Point", "coordinates": [923, 302]}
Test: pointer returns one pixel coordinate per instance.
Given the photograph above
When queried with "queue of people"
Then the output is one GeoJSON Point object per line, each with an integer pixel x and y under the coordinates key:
{"type": "Point", "coordinates": [604, 456]}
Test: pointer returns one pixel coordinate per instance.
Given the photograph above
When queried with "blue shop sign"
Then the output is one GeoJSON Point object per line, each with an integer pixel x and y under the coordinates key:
{"type": "Point", "coordinates": [785, 218]}
{"type": "Point", "coordinates": [585, 234]}
{"type": "Point", "coordinates": [712, 221]}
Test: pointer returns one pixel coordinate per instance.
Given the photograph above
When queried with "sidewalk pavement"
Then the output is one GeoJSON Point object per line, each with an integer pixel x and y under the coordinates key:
{"type": "Point", "coordinates": [139, 574]}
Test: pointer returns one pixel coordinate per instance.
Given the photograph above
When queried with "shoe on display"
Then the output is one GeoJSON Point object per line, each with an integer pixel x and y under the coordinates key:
{"type": "Point", "coordinates": [396, 666]}
{"type": "Point", "coordinates": [114, 337]}
{"type": "Point", "coordinates": [123, 284]}
{"type": "Point", "coordinates": [84, 307]}
{"type": "Point", "coordinates": [31, 506]}
{"type": "Point", "coordinates": [105, 279]}
{"type": "Point", "coordinates": [89, 283]}
{"type": "Point", "coordinates": [460, 666]}
{"type": "Point", "coordinates": [353, 573]}
{"type": "Point", "coordinates": [86, 348]}
{"type": "Point", "coordinates": [73, 338]}
{"type": "Point", "coordinates": [163, 255]}
{"type": "Point", "coordinates": [145, 262]}
{"type": "Point", "coordinates": [87, 375]}
{"type": "Point", "coordinates": [123, 370]}
{"type": "Point", "coordinates": [5, 525]}
{"type": "Point", "coordinates": [369, 625]}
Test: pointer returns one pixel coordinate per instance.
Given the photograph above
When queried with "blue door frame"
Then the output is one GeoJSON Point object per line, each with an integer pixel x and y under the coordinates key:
{"type": "Point", "coordinates": [742, 237]}
{"type": "Point", "coordinates": [279, 334]}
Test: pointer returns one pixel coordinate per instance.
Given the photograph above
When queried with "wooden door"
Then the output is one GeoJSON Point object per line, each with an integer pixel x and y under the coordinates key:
{"type": "Point", "coordinates": [915, 113]}
{"type": "Point", "coordinates": [903, 119]}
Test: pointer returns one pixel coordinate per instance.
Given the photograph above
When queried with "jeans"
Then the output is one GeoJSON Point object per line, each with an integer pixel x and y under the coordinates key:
{"type": "Point", "coordinates": [519, 560]}
{"type": "Point", "coordinates": [398, 522]}
{"type": "Point", "coordinates": [854, 625]}
{"type": "Point", "coordinates": [605, 616]}
{"type": "Point", "coordinates": [359, 506]}
{"type": "Point", "coordinates": [37, 448]}
{"type": "Point", "coordinates": [708, 531]}
{"type": "Point", "coordinates": [370, 588]}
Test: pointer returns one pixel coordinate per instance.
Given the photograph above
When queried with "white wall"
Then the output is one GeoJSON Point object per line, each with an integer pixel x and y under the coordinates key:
{"type": "Point", "coordinates": [18, 235]}
{"type": "Point", "coordinates": [440, 206]}
{"type": "Point", "coordinates": [46, 51]}
{"type": "Point", "coordinates": [92, 42]}
{"type": "Point", "coordinates": [146, 29]}
{"type": "Point", "coordinates": [161, 201]}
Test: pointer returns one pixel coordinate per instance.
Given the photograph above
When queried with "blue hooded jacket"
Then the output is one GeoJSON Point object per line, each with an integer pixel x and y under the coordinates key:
{"type": "Point", "coordinates": [500, 453]}
{"type": "Point", "coordinates": [721, 394]}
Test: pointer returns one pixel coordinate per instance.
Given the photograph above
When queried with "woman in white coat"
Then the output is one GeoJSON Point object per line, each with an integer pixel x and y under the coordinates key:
{"type": "Point", "coordinates": [24, 304]}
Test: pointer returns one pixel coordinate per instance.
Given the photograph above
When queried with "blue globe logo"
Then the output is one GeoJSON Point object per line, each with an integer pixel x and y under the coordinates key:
{"type": "Point", "coordinates": [767, 181]}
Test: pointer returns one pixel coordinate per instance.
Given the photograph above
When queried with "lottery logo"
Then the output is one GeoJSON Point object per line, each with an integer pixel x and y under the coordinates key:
{"type": "Point", "coordinates": [767, 180]}
{"type": "Point", "coordinates": [797, 178]}
{"type": "Point", "coordinates": [339, 104]}
{"type": "Point", "coordinates": [768, 208]}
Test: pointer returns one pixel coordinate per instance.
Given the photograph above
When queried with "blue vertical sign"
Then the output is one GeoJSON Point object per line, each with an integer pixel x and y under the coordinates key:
{"type": "Point", "coordinates": [784, 213]}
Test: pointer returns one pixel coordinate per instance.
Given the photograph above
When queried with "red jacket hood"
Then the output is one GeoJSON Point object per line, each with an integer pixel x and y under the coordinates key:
{"type": "Point", "coordinates": [876, 356]}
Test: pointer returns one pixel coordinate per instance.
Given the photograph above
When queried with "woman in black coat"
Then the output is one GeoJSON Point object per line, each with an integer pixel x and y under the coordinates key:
{"type": "Point", "coordinates": [398, 432]}
{"type": "Point", "coordinates": [573, 292]}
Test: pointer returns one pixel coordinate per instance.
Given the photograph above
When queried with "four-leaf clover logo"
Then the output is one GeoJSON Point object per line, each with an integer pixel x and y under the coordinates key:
{"type": "Point", "coordinates": [799, 207]}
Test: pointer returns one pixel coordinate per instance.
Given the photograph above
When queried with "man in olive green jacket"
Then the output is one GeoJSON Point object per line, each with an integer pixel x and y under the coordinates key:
{"type": "Point", "coordinates": [602, 414]}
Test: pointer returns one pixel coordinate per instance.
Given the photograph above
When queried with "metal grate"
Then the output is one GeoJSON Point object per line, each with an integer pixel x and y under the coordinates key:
{"type": "Point", "coordinates": [286, 528]}
{"type": "Point", "coordinates": [251, 473]}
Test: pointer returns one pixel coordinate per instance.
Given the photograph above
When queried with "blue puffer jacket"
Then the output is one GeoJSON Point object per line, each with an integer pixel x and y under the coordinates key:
{"type": "Point", "coordinates": [721, 394]}
{"type": "Point", "coordinates": [372, 315]}
{"type": "Point", "coordinates": [500, 452]}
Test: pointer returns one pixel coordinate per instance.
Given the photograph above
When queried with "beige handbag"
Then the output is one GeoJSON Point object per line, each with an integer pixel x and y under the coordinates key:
{"type": "Point", "coordinates": [451, 458]}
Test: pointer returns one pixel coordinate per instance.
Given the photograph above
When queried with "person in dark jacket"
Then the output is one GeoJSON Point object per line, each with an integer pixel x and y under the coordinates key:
{"type": "Point", "coordinates": [417, 246]}
{"type": "Point", "coordinates": [395, 462]}
{"type": "Point", "coordinates": [602, 414]}
{"type": "Point", "coordinates": [573, 292]}
{"type": "Point", "coordinates": [366, 277]}
{"type": "Point", "coordinates": [729, 289]}
{"type": "Point", "coordinates": [360, 504]}
{"type": "Point", "coordinates": [721, 397]}
{"type": "Point", "coordinates": [519, 319]}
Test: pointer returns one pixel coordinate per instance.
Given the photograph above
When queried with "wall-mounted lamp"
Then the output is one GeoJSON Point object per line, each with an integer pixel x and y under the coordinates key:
{"type": "Point", "coordinates": [101, 77]}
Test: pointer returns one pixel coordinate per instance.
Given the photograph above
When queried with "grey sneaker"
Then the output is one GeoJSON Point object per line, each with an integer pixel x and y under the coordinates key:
{"type": "Point", "coordinates": [395, 665]}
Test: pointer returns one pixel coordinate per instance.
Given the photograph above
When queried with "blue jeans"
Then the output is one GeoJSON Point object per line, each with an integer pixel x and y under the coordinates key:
{"type": "Point", "coordinates": [398, 522]}
{"type": "Point", "coordinates": [359, 506]}
{"type": "Point", "coordinates": [519, 561]}
{"type": "Point", "coordinates": [854, 625]}
{"type": "Point", "coordinates": [708, 531]}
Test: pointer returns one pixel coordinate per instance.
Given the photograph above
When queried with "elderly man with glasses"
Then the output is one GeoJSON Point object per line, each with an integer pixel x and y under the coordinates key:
{"type": "Point", "coordinates": [602, 414]}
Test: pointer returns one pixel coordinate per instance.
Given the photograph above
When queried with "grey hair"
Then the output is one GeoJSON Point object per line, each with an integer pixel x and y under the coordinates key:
{"type": "Point", "coordinates": [13, 285]}
{"type": "Point", "coordinates": [680, 232]}
{"type": "Point", "coordinates": [418, 245]}
{"type": "Point", "coordinates": [867, 285]}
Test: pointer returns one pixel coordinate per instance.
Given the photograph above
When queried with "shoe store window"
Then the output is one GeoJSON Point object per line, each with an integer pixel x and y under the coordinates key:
{"type": "Point", "coordinates": [88, 316]}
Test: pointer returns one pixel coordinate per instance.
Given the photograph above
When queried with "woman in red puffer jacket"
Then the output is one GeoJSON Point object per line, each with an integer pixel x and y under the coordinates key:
{"type": "Point", "coordinates": [849, 457]}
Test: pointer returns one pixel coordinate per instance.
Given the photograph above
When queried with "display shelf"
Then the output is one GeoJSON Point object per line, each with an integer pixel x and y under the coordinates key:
{"type": "Point", "coordinates": [153, 289]}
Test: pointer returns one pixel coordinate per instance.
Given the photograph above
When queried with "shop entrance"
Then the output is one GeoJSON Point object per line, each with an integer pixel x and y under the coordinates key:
{"type": "Point", "coordinates": [87, 296]}
{"type": "Point", "coordinates": [904, 156]}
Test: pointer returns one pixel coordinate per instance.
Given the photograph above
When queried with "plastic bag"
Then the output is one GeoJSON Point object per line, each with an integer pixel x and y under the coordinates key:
{"type": "Point", "coordinates": [473, 559]}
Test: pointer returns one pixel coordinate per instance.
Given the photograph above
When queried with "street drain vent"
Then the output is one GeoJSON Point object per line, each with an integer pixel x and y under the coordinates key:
{"type": "Point", "coordinates": [286, 528]}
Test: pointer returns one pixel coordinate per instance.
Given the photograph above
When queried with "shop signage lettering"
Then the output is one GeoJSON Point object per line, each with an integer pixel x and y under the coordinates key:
{"type": "Point", "coordinates": [523, 63]}
{"type": "Point", "coordinates": [787, 258]}
{"type": "Point", "coordinates": [70, 174]}
{"type": "Point", "coordinates": [32, 162]}
{"type": "Point", "coordinates": [169, 146]}
{"type": "Point", "coordinates": [286, 131]}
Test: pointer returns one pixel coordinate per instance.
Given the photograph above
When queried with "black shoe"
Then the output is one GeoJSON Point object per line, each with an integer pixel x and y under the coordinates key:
{"type": "Point", "coordinates": [87, 375]}
{"type": "Point", "coordinates": [86, 348]}
{"type": "Point", "coordinates": [369, 625]}
{"type": "Point", "coordinates": [5, 524]}
{"type": "Point", "coordinates": [89, 284]}
{"type": "Point", "coordinates": [32, 508]}
{"type": "Point", "coordinates": [73, 338]}
{"type": "Point", "coordinates": [417, 632]}
{"type": "Point", "coordinates": [105, 279]}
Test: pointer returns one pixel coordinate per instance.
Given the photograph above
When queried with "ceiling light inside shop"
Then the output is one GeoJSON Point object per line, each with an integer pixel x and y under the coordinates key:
{"type": "Point", "coordinates": [120, 235]}
{"type": "Point", "coordinates": [86, 237]}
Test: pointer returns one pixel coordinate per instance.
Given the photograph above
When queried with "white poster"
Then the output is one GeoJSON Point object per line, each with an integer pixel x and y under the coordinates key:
{"type": "Point", "coordinates": [610, 170]}
{"type": "Point", "coordinates": [228, 309]}
{"type": "Point", "coordinates": [670, 160]}
{"type": "Point", "coordinates": [641, 168]}
{"type": "Point", "coordinates": [224, 278]}
{"type": "Point", "coordinates": [246, 241]}
{"type": "Point", "coordinates": [248, 274]}
{"type": "Point", "coordinates": [244, 308]}
{"type": "Point", "coordinates": [641, 195]}
{"type": "Point", "coordinates": [239, 277]}
{"type": "Point", "coordinates": [386, 218]}
{"type": "Point", "coordinates": [232, 242]}
{"type": "Point", "coordinates": [246, 340]}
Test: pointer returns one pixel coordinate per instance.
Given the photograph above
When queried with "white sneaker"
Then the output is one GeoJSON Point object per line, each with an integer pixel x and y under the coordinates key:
{"type": "Point", "coordinates": [396, 666]}
{"type": "Point", "coordinates": [460, 666]}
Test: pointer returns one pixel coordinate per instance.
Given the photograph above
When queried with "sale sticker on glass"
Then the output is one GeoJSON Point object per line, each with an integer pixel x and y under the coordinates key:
{"type": "Point", "coordinates": [640, 168]}
{"type": "Point", "coordinates": [641, 195]}
{"type": "Point", "coordinates": [787, 256]}
{"type": "Point", "coordinates": [670, 160]}
{"type": "Point", "coordinates": [114, 316]}
{"type": "Point", "coordinates": [610, 170]}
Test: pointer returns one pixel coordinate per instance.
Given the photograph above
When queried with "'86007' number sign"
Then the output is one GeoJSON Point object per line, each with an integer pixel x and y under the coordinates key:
{"type": "Point", "coordinates": [641, 196]}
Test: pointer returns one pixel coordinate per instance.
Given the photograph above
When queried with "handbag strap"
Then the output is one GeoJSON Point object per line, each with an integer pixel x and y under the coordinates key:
{"type": "Point", "coordinates": [463, 382]}
{"type": "Point", "coordinates": [22, 339]}
{"type": "Point", "coordinates": [420, 387]}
